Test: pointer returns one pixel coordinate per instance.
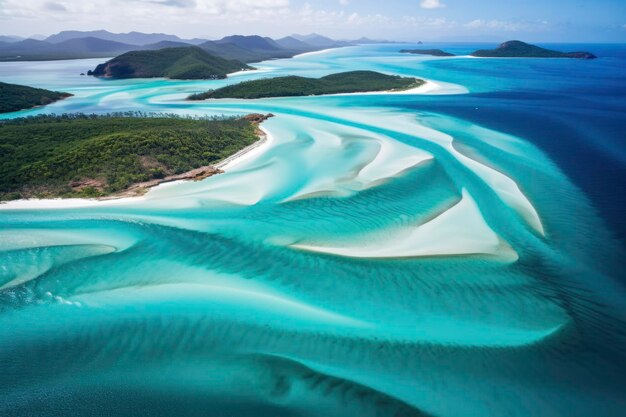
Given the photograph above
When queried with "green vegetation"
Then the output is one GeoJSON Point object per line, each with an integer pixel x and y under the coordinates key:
{"type": "Point", "coordinates": [187, 63]}
{"type": "Point", "coordinates": [88, 155]}
{"type": "Point", "coordinates": [433, 52]}
{"type": "Point", "coordinates": [518, 49]}
{"type": "Point", "coordinates": [19, 97]}
{"type": "Point", "coordinates": [345, 82]}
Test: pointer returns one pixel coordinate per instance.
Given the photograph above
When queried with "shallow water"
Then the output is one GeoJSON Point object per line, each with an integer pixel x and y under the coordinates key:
{"type": "Point", "coordinates": [456, 254]}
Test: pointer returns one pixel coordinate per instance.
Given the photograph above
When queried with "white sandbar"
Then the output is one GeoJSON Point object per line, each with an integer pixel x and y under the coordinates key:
{"type": "Point", "coordinates": [460, 230]}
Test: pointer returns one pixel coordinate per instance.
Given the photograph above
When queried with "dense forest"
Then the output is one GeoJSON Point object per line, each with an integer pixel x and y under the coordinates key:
{"type": "Point", "coordinates": [188, 63]}
{"type": "Point", "coordinates": [15, 97]}
{"type": "Point", "coordinates": [344, 82]}
{"type": "Point", "coordinates": [88, 155]}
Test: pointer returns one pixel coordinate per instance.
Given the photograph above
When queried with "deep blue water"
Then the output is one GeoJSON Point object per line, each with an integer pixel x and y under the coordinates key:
{"type": "Point", "coordinates": [574, 111]}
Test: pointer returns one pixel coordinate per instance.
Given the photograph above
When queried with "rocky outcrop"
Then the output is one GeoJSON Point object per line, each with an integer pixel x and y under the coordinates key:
{"type": "Point", "coordinates": [142, 187]}
{"type": "Point", "coordinates": [256, 118]}
{"type": "Point", "coordinates": [81, 185]}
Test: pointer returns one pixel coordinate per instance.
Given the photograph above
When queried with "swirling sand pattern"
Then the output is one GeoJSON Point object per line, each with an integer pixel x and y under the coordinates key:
{"type": "Point", "coordinates": [366, 261]}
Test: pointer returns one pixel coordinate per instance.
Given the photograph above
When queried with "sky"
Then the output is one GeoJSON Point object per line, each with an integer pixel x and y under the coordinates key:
{"type": "Point", "coordinates": [405, 20]}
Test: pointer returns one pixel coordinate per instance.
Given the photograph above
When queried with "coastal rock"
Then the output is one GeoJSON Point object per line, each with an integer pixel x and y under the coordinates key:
{"type": "Point", "coordinates": [257, 118]}
{"type": "Point", "coordinates": [194, 175]}
{"type": "Point", "coordinates": [80, 185]}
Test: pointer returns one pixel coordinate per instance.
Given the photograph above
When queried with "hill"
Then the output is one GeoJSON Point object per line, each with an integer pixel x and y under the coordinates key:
{"type": "Point", "coordinates": [433, 52]}
{"type": "Point", "coordinates": [251, 42]}
{"type": "Point", "coordinates": [89, 47]}
{"type": "Point", "coordinates": [10, 39]}
{"type": "Point", "coordinates": [132, 38]}
{"type": "Point", "coordinates": [164, 44]}
{"type": "Point", "coordinates": [320, 41]}
{"type": "Point", "coordinates": [290, 86]}
{"type": "Point", "coordinates": [189, 63]}
{"type": "Point", "coordinates": [104, 44]}
{"type": "Point", "coordinates": [25, 47]}
{"type": "Point", "coordinates": [248, 48]}
{"type": "Point", "coordinates": [89, 156]}
{"type": "Point", "coordinates": [519, 49]}
{"type": "Point", "coordinates": [15, 97]}
{"type": "Point", "coordinates": [289, 42]}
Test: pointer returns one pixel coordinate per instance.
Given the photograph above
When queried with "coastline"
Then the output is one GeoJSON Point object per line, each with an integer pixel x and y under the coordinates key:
{"type": "Point", "coordinates": [139, 192]}
{"type": "Point", "coordinates": [250, 71]}
{"type": "Point", "coordinates": [38, 106]}
{"type": "Point", "coordinates": [429, 87]}
{"type": "Point", "coordinates": [321, 51]}
{"type": "Point", "coordinates": [257, 148]}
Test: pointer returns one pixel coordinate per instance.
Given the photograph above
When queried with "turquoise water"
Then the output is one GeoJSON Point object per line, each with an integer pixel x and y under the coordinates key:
{"type": "Point", "coordinates": [443, 254]}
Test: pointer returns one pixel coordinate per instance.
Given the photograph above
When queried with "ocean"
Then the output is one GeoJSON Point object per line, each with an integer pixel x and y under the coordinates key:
{"type": "Point", "coordinates": [454, 253]}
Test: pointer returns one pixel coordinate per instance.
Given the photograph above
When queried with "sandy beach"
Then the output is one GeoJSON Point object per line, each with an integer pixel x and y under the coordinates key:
{"type": "Point", "coordinates": [429, 87]}
{"type": "Point", "coordinates": [251, 71]}
{"type": "Point", "coordinates": [313, 53]}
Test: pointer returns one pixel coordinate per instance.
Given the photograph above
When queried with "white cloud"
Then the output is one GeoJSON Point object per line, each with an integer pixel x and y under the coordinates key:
{"type": "Point", "coordinates": [215, 18]}
{"type": "Point", "coordinates": [344, 2]}
{"type": "Point", "coordinates": [370, 19]}
{"type": "Point", "coordinates": [55, 7]}
{"type": "Point", "coordinates": [429, 23]}
{"type": "Point", "coordinates": [173, 3]}
{"type": "Point", "coordinates": [431, 4]}
{"type": "Point", "coordinates": [508, 26]}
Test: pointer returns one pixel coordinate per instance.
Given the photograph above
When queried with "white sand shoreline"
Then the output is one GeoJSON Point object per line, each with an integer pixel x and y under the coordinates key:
{"type": "Point", "coordinates": [314, 52]}
{"type": "Point", "coordinates": [256, 70]}
{"type": "Point", "coordinates": [429, 87]}
{"type": "Point", "coordinates": [247, 153]}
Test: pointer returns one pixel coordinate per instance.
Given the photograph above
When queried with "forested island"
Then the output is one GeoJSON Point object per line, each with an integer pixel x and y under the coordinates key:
{"type": "Point", "coordinates": [519, 49]}
{"type": "Point", "coordinates": [509, 49]}
{"type": "Point", "coordinates": [15, 97]}
{"type": "Point", "coordinates": [185, 63]}
{"type": "Point", "coordinates": [81, 155]}
{"type": "Point", "coordinates": [290, 86]}
{"type": "Point", "coordinates": [433, 52]}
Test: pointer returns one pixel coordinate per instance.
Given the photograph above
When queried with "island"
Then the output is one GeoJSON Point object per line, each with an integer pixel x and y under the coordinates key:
{"type": "Point", "coordinates": [121, 154]}
{"type": "Point", "coordinates": [433, 52]}
{"type": "Point", "coordinates": [519, 49]}
{"type": "Point", "coordinates": [183, 63]}
{"type": "Point", "coordinates": [291, 86]}
{"type": "Point", "coordinates": [15, 97]}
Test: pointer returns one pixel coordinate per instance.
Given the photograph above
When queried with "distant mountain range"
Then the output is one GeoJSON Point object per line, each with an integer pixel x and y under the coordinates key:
{"type": "Point", "coordinates": [131, 38]}
{"type": "Point", "coordinates": [73, 44]}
